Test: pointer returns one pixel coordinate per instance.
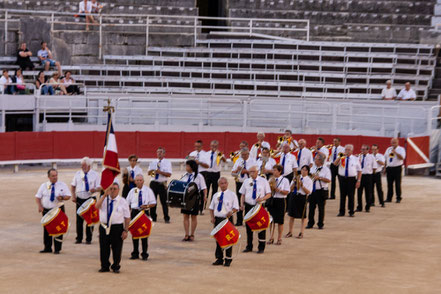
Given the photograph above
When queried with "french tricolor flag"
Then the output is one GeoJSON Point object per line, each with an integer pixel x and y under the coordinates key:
{"type": "Point", "coordinates": [110, 157]}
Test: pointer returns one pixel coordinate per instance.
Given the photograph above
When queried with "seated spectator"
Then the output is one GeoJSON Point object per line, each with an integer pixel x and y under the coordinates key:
{"type": "Point", "coordinates": [40, 83]}
{"type": "Point", "coordinates": [56, 84]}
{"type": "Point", "coordinates": [24, 58]}
{"type": "Point", "coordinates": [5, 84]}
{"type": "Point", "coordinates": [68, 83]}
{"type": "Point", "coordinates": [85, 12]}
{"type": "Point", "coordinates": [18, 80]}
{"type": "Point", "coordinates": [407, 93]}
{"type": "Point", "coordinates": [45, 56]}
{"type": "Point", "coordinates": [389, 93]}
{"type": "Point", "coordinates": [96, 7]}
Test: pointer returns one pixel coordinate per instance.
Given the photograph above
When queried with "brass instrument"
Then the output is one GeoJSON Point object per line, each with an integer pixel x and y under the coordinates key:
{"type": "Point", "coordinates": [262, 167]}
{"type": "Point", "coordinates": [273, 185]}
{"type": "Point", "coordinates": [295, 183]}
{"type": "Point", "coordinates": [152, 173]}
{"type": "Point", "coordinates": [257, 145]}
{"type": "Point", "coordinates": [234, 156]}
{"type": "Point", "coordinates": [280, 139]}
{"type": "Point", "coordinates": [391, 155]}
{"type": "Point", "coordinates": [219, 157]}
{"type": "Point", "coordinates": [236, 175]}
{"type": "Point", "coordinates": [341, 155]}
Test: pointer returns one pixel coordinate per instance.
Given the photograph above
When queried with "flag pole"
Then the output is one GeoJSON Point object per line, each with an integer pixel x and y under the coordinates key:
{"type": "Point", "coordinates": [109, 109]}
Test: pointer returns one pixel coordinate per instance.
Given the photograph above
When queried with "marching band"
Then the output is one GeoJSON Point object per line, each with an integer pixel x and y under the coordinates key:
{"type": "Point", "coordinates": [283, 180]}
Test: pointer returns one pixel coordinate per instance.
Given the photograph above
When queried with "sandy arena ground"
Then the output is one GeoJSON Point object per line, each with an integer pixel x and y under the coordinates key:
{"type": "Point", "coordinates": [396, 249]}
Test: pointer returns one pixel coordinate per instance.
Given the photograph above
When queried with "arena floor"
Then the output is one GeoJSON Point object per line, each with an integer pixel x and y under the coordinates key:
{"type": "Point", "coordinates": [396, 249]}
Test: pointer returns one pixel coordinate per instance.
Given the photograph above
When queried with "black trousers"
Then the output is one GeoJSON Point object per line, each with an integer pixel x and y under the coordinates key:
{"type": "Point", "coordinates": [317, 199]}
{"type": "Point", "coordinates": [80, 224]}
{"type": "Point", "coordinates": [290, 177]}
{"type": "Point", "coordinates": [376, 183]}
{"type": "Point", "coordinates": [47, 240]}
{"type": "Point", "coordinates": [334, 176]}
{"type": "Point", "coordinates": [219, 251]}
{"type": "Point", "coordinates": [113, 242]}
{"type": "Point", "coordinates": [144, 241]}
{"type": "Point", "coordinates": [239, 218]}
{"type": "Point", "coordinates": [159, 189]}
{"type": "Point", "coordinates": [261, 235]}
{"type": "Point", "coordinates": [201, 199]}
{"type": "Point", "coordinates": [393, 176]}
{"type": "Point", "coordinates": [366, 185]}
{"type": "Point", "coordinates": [211, 181]}
{"type": "Point", "coordinates": [347, 189]}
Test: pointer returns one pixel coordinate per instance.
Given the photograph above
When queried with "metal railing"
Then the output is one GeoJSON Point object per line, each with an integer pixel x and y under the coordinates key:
{"type": "Point", "coordinates": [192, 25]}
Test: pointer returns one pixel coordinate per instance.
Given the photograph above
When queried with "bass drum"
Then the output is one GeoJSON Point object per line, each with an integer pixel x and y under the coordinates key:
{"type": "Point", "coordinates": [182, 195]}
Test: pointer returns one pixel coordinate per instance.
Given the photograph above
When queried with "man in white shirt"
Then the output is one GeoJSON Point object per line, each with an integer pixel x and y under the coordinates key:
{"type": "Point", "coordinates": [240, 173]}
{"type": "Point", "coordinates": [256, 150]}
{"type": "Point", "coordinates": [50, 195]}
{"type": "Point", "coordinates": [349, 172]}
{"type": "Point", "coordinates": [289, 163]}
{"type": "Point", "coordinates": [321, 177]}
{"type": "Point", "coordinates": [223, 205]}
{"type": "Point", "coordinates": [253, 191]}
{"type": "Point", "coordinates": [213, 173]}
{"type": "Point", "coordinates": [376, 182]}
{"type": "Point", "coordinates": [46, 58]}
{"type": "Point", "coordinates": [388, 93]}
{"type": "Point", "coordinates": [5, 84]}
{"type": "Point", "coordinates": [160, 170]}
{"type": "Point", "coordinates": [139, 199]}
{"type": "Point", "coordinates": [304, 155]}
{"type": "Point", "coordinates": [368, 166]}
{"type": "Point", "coordinates": [115, 220]}
{"type": "Point", "coordinates": [336, 151]}
{"type": "Point", "coordinates": [85, 11]}
{"type": "Point", "coordinates": [84, 184]}
{"type": "Point", "coordinates": [265, 163]}
{"type": "Point", "coordinates": [287, 139]}
{"type": "Point", "coordinates": [133, 170]}
{"type": "Point", "coordinates": [407, 93]}
{"type": "Point", "coordinates": [394, 157]}
{"type": "Point", "coordinates": [320, 148]}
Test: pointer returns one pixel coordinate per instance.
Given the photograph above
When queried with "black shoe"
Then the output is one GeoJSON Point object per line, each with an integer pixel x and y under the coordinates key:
{"type": "Point", "coordinates": [238, 224]}
{"type": "Point", "coordinates": [332, 198]}
{"type": "Point", "coordinates": [167, 221]}
{"type": "Point", "coordinates": [372, 204]}
{"type": "Point", "coordinates": [247, 250]}
{"type": "Point", "coordinates": [309, 227]}
{"type": "Point", "coordinates": [359, 210]}
{"type": "Point", "coordinates": [88, 242]}
{"type": "Point", "coordinates": [104, 270]}
{"type": "Point", "coordinates": [382, 205]}
{"type": "Point", "coordinates": [134, 257]}
{"type": "Point", "coordinates": [57, 252]}
{"type": "Point", "coordinates": [45, 251]}
{"type": "Point", "coordinates": [351, 215]}
{"type": "Point", "coordinates": [218, 262]}
{"type": "Point", "coordinates": [260, 251]}
{"type": "Point", "coordinates": [388, 200]}
{"type": "Point", "coordinates": [341, 214]}
{"type": "Point", "coordinates": [145, 257]}
{"type": "Point", "coordinates": [116, 271]}
{"type": "Point", "coordinates": [320, 228]}
{"type": "Point", "coordinates": [228, 262]}
{"type": "Point", "coordinates": [78, 242]}
{"type": "Point", "coordinates": [398, 200]}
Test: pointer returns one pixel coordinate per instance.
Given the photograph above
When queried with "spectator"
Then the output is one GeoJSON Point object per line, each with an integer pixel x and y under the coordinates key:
{"type": "Point", "coordinates": [389, 93]}
{"type": "Point", "coordinates": [407, 93]}
{"type": "Point", "coordinates": [24, 58]}
{"type": "Point", "coordinates": [68, 84]}
{"type": "Point", "coordinates": [56, 84]}
{"type": "Point", "coordinates": [96, 7]}
{"type": "Point", "coordinates": [45, 56]}
{"type": "Point", "coordinates": [85, 12]}
{"type": "Point", "coordinates": [5, 84]}
{"type": "Point", "coordinates": [40, 83]}
{"type": "Point", "coordinates": [18, 80]}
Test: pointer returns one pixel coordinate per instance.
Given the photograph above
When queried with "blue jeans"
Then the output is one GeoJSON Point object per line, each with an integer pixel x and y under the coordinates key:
{"type": "Point", "coordinates": [47, 90]}
{"type": "Point", "coordinates": [9, 90]}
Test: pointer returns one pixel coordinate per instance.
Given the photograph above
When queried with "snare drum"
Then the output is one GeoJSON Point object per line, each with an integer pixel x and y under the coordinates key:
{"type": "Point", "coordinates": [257, 219]}
{"type": "Point", "coordinates": [55, 222]}
{"type": "Point", "coordinates": [140, 226]}
{"type": "Point", "coordinates": [89, 212]}
{"type": "Point", "coordinates": [182, 195]}
{"type": "Point", "coordinates": [225, 234]}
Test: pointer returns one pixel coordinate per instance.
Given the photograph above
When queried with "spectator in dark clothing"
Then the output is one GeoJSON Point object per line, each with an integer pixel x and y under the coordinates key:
{"type": "Point", "coordinates": [40, 82]}
{"type": "Point", "coordinates": [24, 58]}
{"type": "Point", "coordinates": [68, 82]}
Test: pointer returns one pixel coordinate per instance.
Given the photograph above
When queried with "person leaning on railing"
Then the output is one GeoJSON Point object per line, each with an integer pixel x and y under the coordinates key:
{"type": "Point", "coordinates": [407, 94]}
{"type": "Point", "coordinates": [85, 10]}
{"type": "Point", "coordinates": [69, 84]}
{"type": "Point", "coordinates": [6, 86]}
{"type": "Point", "coordinates": [40, 83]}
{"type": "Point", "coordinates": [57, 85]}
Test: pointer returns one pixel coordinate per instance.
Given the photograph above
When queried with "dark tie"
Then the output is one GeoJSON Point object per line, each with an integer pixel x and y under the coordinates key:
{"type": "Point", "coordinates": [335, 153]}
{"type": "Point", "coordinates": [109, 211]}
{"type": "Point", "coordinates": [244, 167]}
{"type": "Point", "coordinates": [362, 162]}
{"type": "Point", "coordinates": [157, 166]}
{"type": "Point", "coordinates": [347, 167]}
{"type": "Point", "coordinates": [283, 164]}
{"type": "Point", "coordinates": [52, 192]}
{"type": "Point", "coordinates": [254, 190]}
{"type": "Point", "coordinates": [189, 179]}
{"type": "Point", "coordinates": [86, 182]}
{"type": "Point", "coordinates": [140, 199]}
{"type": "Point", "coordinates": [211, 162]}
{"type": "Point", "coordinates": [298, 159]}
{"type": "Point", "coordinates": [132, 175]}
{"type": "Point", "coordinates": [221, 200]}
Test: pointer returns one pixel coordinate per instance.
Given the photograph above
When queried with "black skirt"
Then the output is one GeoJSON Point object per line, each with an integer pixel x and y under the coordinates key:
{"type": "Point", "coordinates": [297, 206]}
{"type": "Point", "coordinates": [277, 210]}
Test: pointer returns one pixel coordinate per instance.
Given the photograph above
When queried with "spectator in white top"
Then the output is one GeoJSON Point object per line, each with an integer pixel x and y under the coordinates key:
{"type": "Point", "coordinates": [96, 7]}
{"type": "Point", "coordinates": [85, 10]}
{"type": "Point", "coordinates": [389, 93]}
{"type": "Point", "coordinates": [407, 93]}
{"type": "Point", "coordinates": [46, 58]}
{"type": "Point", "coordinates": [5, 84]}
{"type": "Point", "coordinates": [18, 80]}
{"type": "Point", "coordinates": [69, 82]}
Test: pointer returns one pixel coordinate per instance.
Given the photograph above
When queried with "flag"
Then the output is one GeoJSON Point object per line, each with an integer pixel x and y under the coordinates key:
{"type": "Point", "coordinates": [110, 156]}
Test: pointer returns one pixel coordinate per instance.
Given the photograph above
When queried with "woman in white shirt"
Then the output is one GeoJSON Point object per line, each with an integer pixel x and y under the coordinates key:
{"type": "Point", "coordinates": [19, 81]}
{"type": "Point", "coordinates": [297, 207]}
{"type": "Point", "coordinates": [192, 175]}
{"type": "Point", "coordinates": [69, 82]}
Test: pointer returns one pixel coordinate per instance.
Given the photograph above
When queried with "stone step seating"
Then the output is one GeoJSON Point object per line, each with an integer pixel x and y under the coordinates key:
{"type": "Point", "coordinates": [365, 6]}
{"type": "Point", "coordinates": [35, 4]}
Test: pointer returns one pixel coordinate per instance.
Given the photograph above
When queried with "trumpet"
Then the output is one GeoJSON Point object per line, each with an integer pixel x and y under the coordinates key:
{"type": "Point", "coordinates": [273, 186]}
{"type": "Point", "coordinates": [341, 155]}
{"type": "Point", "coordinates": [257, 145]}
{"type": "Point", "coordinates": [237, 174]}
{"type": "Point", "coordinates": [280, 139]}
{"type": "Point", "coordinates": [152, 173]}
{"type": "Point", "coordinates": [219, 157]}
{"type": "Point", "coordinates": [234, 156]}
{"type": "Point", "coordinates": [391, 155]}
{"type": "Point", "coordinates": [313, 148]}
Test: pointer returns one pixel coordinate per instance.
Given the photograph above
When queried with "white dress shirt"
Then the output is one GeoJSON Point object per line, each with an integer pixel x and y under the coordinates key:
{"type": "Point", "coordinates": [164, 166]}
{"type": "Point", "coordinates": [304, 157]}
{"type": "Point", "coordinates": [148, 197]}
{"type": "Point", "coordinates": [335, 151]}
{"type": "Point", "coordinates": [407, 95]}
{"type": "Point", "coordinates": [199, 180]}
{"type": "Point", "coordinates": [324, 172]}
{"type": "Point", "coordinates": [88, 7]}
{"type": "Point", "coordinates": [369, 164]}
{"type": "Point", "coordinates": [324, 151]}
{"type": "Point", "coordinates": [307, 183]}
{"type": "Point", "coordinates": [254, 152]}
{"type": "Point", "coordinates": [78, 181]}
{"type": "Point", "coordinates": [229, 203]}
{"type": "Point", "coordinates": [268, 165]}
{"type": "Point", "coordinates": [393, 160]}
{"type": "Point", "coordinates": [213, 167]}
{"type": "Point", "coordinates": [282, 183]}
{"type": "Point", "coordinates": [44, 193]}
{"type": "Point", "coordinates": [136, 170]}
{"type": "Point", "coordinates": [353, 168]}
{"type": "Point", "coordinates": [202, 157]}
{"type": "Point", "coordinates": [290, 163]}
{"type": "Point", "coordinates": [390, 93]}
{"type": "Point", "coordinates": [262, 188]}
{"type": "Point", "coordinates": [240, 162]}
{"type": "Point", "coordinates": [379, 157]}
{"type": "Point", "coordinates": [120, 210]}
